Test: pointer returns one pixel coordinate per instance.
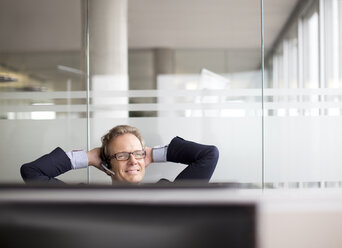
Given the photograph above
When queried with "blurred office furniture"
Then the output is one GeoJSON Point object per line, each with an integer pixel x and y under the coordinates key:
{"type": "Point", "coordinates": [121, 217]}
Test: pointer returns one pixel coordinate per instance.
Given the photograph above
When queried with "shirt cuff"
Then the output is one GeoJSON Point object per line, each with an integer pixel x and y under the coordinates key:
{"type": "Point", "coordinates": [159, 153]}
{"type": "Point", "coordinates": [78, 159]}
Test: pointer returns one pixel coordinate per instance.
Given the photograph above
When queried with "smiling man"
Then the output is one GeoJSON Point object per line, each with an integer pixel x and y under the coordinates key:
{"type": "Point", "coordinates": [124, 157]}
{"type": "Point", "coordinates": [124, 153]}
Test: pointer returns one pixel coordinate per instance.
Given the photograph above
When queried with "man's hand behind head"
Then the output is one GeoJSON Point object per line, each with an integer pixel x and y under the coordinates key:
{"type": "Point", "coordinates": [149, 157]}
{"type": "Point", "coordinates": [94, 158]}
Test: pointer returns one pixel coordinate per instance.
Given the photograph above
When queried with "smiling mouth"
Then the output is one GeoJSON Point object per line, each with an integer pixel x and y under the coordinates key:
{"type": "Point", "coordinates": [132, 171]}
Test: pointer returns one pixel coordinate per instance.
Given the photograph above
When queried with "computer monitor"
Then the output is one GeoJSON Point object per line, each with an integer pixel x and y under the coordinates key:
{"type": "Point", "coordinates": [68, 223]}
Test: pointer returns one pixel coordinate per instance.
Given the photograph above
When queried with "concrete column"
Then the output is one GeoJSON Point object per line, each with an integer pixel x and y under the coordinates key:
{"type": "Point", "coordinates": [163, 62]}
{"type": "Point", "coordinates": [108, 69]}
{"type": "Point", "coordinates": [108, 53]}
{"type": "Point", "coordinates": [108, 37]}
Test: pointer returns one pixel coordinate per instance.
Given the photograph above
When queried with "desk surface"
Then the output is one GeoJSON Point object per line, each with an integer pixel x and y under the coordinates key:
{"type": "Point", "coordinates": [216, 193]}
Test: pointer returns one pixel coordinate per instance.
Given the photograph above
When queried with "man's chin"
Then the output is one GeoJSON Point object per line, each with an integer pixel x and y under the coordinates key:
{"type": "Point", "coordinates": [133, 178]}
{"type": "Point", "coordinates": [136, 179]}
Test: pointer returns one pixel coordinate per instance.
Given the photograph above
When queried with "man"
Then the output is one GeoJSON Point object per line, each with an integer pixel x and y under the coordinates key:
{"type": "Point", "coordinates": [124, 157]}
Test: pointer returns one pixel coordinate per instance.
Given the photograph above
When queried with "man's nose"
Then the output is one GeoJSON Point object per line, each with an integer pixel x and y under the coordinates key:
{"type": "Point", "coordinates": [132, 159]}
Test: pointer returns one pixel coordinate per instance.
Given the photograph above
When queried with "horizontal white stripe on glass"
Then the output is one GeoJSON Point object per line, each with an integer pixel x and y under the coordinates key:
{"type": "Point", "coordinates": [169, 107]}
{"type": "Point", "coordinates": [170, 93]}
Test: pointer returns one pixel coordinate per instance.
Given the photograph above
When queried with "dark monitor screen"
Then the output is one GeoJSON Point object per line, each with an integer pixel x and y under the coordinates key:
{"type": "Point", "coordinates": [87, 224]}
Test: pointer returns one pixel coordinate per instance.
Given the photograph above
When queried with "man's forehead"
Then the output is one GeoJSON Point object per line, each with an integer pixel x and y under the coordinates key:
{"type": "Point", "coordinates": [125, 142]}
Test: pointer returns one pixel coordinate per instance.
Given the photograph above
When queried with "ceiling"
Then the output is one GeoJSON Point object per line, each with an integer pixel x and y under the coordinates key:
{"type": "Point", "coordinates": [233, 24]}
{"type": "Point", "coordinates": [49, 25]}
{"type": "Point", "coordinates": [37, 34]}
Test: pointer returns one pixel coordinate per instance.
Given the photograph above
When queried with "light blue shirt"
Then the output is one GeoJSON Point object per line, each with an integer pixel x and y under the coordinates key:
{"type": "Point", "coordinates": [79, 158]}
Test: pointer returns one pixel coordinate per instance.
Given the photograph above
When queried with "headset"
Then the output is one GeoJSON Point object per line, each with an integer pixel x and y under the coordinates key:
{"type": "Point", "coordinates": [105, 166]}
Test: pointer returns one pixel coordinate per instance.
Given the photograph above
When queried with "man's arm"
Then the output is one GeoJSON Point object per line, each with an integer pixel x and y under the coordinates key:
{"type": "Point", "coordinates": [47, 167]}
{"type": "Point", "coordinates": [202, 159]}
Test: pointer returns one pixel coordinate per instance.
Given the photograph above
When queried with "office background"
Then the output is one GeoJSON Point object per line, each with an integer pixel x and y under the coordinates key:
{"type": "Point", "coordinates": [71, 70]}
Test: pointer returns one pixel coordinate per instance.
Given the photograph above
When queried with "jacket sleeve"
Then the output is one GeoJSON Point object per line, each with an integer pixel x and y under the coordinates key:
{"type": "Point", "coordinates": [46, 168]}
{"type": "Point", "coordinates": [201, 159]}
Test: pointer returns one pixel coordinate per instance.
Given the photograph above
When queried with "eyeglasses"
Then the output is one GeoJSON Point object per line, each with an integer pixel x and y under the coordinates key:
{"type": "Point", "coordinates": [120, 156]}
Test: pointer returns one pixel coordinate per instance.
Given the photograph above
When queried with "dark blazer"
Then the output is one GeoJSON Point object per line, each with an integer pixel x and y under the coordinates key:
{"type": "Point", "coordinates": [201, 161]}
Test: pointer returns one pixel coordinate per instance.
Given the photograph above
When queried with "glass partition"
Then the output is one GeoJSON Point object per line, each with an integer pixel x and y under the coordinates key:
{"type": "Point", "coordinates": [42, 90]}
{"type": "Point", "coordinates": [302, 134]}
{"type": "Point", "coordinates": [71, 70]}
{"type": "Point", "coordinates": [193, 71]}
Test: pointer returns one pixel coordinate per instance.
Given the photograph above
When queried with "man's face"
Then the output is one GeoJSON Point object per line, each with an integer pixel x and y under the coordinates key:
{"type": "Point", "coordinates": [131, 170]}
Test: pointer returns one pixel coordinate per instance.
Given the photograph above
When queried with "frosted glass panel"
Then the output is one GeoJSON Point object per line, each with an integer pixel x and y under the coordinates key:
{"type": "Point", "coordinates": [302, 140]}
{"type": "Point", "coordinates": [23, 141]}
{"type": "Point", "coordinates": [238, 140]}
{"type": "Point", "coordinates": [303, 99]}
{"type": "Point", "coordinates": [206, 108]}
{"type": "Point", "coordinates": [303, 149]}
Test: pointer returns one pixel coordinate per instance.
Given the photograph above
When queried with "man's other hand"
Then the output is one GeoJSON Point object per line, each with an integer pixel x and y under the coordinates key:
{"type": "Point", "coordinates": [149, 157]}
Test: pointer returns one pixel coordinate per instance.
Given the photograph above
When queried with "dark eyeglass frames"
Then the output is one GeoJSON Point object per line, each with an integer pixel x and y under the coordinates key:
{"type": "Point", "coordinates": [120, 156]}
